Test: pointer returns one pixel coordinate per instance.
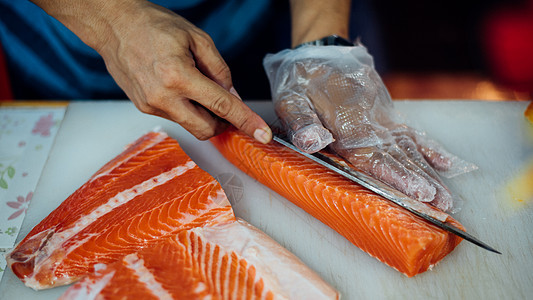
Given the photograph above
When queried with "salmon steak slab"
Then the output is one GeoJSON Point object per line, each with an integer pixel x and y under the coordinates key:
{"type": "Point", "coordinates": [382, 229]}
{"type": "Point", "coordinates": [150, 200]}
{"type": "Point", "coordinates": [225, 260]}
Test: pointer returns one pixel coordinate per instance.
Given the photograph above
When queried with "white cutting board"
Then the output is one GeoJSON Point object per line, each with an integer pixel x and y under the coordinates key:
{"type": "Point", "coordinates": [495, 136]}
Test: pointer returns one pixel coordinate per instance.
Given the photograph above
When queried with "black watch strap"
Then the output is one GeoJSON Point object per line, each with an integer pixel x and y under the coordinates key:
{"type": "Point", "coordinates": [330, 40]}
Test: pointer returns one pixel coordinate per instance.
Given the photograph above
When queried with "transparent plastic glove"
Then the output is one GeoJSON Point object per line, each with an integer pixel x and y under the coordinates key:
{"type": "Point", "coordinates": [333, 95]}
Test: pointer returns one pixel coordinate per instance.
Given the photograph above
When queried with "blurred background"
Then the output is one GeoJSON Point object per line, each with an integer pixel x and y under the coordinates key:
{"type": "Point", "coordinates": [455, 49]}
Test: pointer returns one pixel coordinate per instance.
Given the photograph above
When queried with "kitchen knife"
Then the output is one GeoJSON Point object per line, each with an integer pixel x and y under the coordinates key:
{"type": "Point", "coordinates": [418, 208]}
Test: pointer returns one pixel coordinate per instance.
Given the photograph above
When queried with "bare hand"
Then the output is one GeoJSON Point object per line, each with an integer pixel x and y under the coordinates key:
{"type": "Point", "coordinates": [170, 68]}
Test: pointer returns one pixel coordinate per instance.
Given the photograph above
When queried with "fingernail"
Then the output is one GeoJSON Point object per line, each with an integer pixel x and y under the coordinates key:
{"type": "Point", "coordinates": [263, 135]}
{"type": "Point", "coordinates": [234, 92]}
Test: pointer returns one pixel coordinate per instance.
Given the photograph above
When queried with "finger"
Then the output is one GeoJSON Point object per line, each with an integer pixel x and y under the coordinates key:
{"type": "Point", "coordinates": [443, 198]}
{"type": "Point", "coordinates": [381, 165]}
{"type": "Point", "coordinates": [210, 62]}
{"type": "Point", "coordinates": [169, 104]}
{"type": "Point", "coordinates": [433, 153]}
{"type": "Point", "coordinates": [227, 106]}
{"type": "Point", "coordinates": [440, 159]}
{"type": "Point", "coordinates": [446, 163]}
{"type": "Point", "coordinates": [303, 126]}
{"type": "Point", "coordinates": [191, 116]}
{"type": "Point", "coordinates": [408, 153]}
{"type": "Point", "coordinates": [404, 140]}
{"type": "Point", "coordinates": [212, 65]}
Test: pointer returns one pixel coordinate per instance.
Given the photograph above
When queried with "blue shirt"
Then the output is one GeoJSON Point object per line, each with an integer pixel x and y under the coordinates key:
{"type": "Point", "coordinates": [47, 61]}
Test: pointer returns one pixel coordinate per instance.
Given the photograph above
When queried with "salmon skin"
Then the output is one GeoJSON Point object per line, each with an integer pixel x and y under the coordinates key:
{"type": "Point", "coordinates": [384, 230]}
{"type": "Point", "coordinates": [225, 260]}
{"type": "Point", "coordinates": [148, 206]}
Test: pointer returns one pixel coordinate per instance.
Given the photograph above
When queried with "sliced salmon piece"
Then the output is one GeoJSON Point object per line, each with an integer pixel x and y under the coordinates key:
{"type": "Point", "coordinates": [151, 224]}
{"type": "Point", "coordinates": [151, 190]}
{"type": "Point", "coordinates": [226, 261]}
{"type": "Point", "coordinates": [382, 229]}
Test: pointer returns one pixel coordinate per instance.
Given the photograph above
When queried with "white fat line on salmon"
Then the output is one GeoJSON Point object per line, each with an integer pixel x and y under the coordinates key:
{"type": "Point", "coordinates": [136, 264]}
{"type": "Point", "coordinates": [218, 201]}
{"type": "Point", "coordinates": [88, 288]}
{"type": "Point", "coordinates": [208, 260]}
{"type": "Point", "coordinates": [202, 261]}
{"type": "Point", "coordinates": [208, 263]}
{"type": "Point", "coordinates": [158, 139]}
{"type": "Point", "coordinates": [123, 198]}
{"type": "Point", "coordinates": [56, 240]}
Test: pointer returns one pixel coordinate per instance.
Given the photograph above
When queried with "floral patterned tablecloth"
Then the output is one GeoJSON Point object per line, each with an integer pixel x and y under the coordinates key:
{"type": "Point", "coordinates": [26, 138]}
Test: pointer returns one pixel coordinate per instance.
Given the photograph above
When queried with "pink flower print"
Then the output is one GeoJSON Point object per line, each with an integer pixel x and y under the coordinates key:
{"type": "Point", "coordinates": [22, 143]}
{"type": "Point", "coordinates": [24, 174]}
{"type": "Point", "coordinates": [43, 126]}
{"type": "Point", "coordinates": [21, 205]}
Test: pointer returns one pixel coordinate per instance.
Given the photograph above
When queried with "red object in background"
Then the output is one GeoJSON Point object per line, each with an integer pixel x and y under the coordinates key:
{"type": "Point", "coordinates": [508, 36]}
{"type": "Point", "coordinates": [5, 87]}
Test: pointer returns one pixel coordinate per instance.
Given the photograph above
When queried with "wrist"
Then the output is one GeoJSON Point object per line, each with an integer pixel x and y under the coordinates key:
{"type": "Point", "coordinates": [315, 19]}
{"type": "Point", "coordinates": [330, 40]}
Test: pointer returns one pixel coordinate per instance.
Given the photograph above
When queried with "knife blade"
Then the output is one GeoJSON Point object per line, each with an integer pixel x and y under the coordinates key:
{"type": "Point", "coordinates": [418, 208]}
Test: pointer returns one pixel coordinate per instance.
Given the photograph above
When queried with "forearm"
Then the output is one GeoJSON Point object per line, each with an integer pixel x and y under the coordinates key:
{"type": "Point", "coordinates": [90, 20]}
{"type": "Point", "coordinates": [314, 19]}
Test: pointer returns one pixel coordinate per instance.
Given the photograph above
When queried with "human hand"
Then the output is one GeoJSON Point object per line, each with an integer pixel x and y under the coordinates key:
{"type": "Point", "coordinates": [331, 93]}
{"type": "Point", "coordinates": [170, 68]}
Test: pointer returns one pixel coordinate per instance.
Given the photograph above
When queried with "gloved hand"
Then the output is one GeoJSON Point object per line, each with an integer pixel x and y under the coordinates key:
{"type": "Point", "coordinates": [332, 94]}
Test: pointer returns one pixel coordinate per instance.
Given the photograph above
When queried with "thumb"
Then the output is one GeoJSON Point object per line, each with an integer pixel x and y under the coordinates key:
{"type": "Point", "coordinates": [302, 123]}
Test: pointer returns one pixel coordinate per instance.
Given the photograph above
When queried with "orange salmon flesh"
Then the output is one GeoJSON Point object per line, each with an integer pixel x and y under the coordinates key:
{"type": "Point", "coordinates": [152, 224]}
{"type": "Point", "coordinates": [375, 225]}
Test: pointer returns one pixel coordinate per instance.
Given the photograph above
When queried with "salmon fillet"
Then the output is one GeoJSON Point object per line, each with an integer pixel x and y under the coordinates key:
{"type": "Point", "coordinates": [377, 226]}
{"type": "Point", "coordinates": [144, 226]}
{"type": "Point", "coordinates": [151, 190]}
{"type": "Point", "coordinates": [225, 260]}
